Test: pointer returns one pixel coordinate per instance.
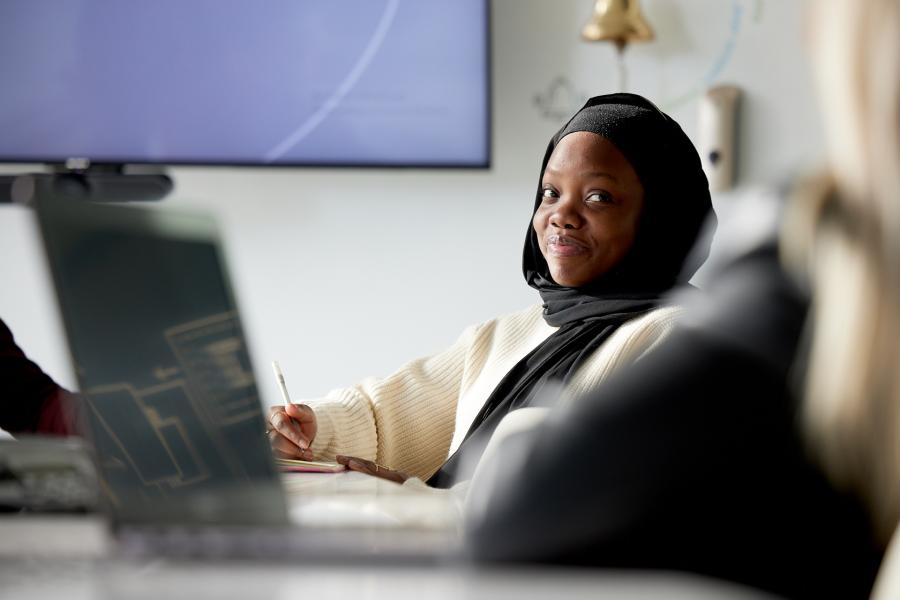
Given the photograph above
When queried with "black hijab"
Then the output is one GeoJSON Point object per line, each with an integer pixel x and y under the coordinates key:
{"type": "Point", "coordinates": [676, 206]}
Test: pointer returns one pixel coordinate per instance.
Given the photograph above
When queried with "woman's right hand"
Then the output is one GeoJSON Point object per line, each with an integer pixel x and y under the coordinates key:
{"type": "Point", "coordinates": [291, 430]}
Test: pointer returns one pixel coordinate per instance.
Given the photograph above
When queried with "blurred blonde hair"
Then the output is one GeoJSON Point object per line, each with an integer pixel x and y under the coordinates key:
{"type": "Point", "coordinates": [842, 233]}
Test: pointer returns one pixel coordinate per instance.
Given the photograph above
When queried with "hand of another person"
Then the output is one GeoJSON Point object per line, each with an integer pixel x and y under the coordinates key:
{"type": "Point", "coordinates": [370, 468]}
{"type": "Point", "coordinates": [292, 428]}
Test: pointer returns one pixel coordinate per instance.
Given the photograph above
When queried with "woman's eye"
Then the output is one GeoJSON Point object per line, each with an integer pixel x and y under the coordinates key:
{"type": "Point", "coordinates": [601, 197]}
{"type": "Point", "coordinates": [549, 193]}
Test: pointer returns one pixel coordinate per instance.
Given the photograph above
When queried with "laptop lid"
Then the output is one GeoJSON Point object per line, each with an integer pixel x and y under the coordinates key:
{"type": "Point", "coordinates": [171, 403]}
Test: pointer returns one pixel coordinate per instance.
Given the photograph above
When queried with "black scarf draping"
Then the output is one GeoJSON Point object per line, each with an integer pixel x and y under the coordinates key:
{"type": "Point", "coordinates": [676, 205]}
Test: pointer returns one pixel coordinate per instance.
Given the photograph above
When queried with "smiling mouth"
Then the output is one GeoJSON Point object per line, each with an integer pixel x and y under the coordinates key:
{"type": "Point", "coordinates": [563, 246]}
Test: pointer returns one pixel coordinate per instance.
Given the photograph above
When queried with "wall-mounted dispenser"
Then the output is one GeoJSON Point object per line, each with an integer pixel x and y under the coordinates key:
{"type": "Point", "coordinates": [718, 135]}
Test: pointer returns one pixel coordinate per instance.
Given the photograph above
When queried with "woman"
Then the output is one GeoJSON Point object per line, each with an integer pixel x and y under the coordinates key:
{"type": "Point", "coordinates": [706, 458]}
{"type": "Point", "coordinates": [614, 219]}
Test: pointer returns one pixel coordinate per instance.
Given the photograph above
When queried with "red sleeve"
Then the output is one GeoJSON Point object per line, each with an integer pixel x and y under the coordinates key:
{"type": "Point", "coordinates": [30, 401]}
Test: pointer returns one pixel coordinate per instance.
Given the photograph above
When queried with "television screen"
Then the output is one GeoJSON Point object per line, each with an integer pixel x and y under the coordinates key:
{"type": "Point", "coordinates": [274, 82]}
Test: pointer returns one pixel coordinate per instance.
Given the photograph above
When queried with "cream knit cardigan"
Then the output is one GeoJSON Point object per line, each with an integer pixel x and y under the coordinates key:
{"type": "Point", "coordinates": [413, 419]}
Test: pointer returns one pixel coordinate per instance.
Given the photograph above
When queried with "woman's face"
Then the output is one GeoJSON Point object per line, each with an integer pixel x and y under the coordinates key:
{"type": "Point", "coordinates": [590, 206]}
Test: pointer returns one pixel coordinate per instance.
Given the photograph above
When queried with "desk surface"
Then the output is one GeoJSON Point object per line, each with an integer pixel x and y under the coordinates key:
{"type": "Point", "coordinates": [342, 515]}
{"type": "Point", "coordinates": [90, 580]}
{"type": "Point", "coordinates": [73, 558]}
{"type": "Point", "coordinates": [351, 499]}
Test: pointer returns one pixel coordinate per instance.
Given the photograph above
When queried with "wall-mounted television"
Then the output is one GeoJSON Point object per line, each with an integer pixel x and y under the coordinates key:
{"type": "Point", "coordinates": [394, 83]}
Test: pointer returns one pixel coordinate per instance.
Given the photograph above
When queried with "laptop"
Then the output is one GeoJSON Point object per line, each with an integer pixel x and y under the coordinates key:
{"type": "Point", "coordinates": [171, 407]}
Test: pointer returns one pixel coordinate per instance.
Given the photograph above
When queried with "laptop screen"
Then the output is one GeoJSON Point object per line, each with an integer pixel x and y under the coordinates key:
{"type": "Point", "coordinates": [171, 404]}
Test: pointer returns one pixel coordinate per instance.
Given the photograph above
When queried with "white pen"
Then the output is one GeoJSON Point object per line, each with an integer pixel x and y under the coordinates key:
{"type": "Point", "coordinates": [280, 377]}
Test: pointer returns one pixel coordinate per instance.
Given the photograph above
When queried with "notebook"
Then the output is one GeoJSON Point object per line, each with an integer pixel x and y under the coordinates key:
{"type": "Point", "coordinates": [171, 406]}
{"type": "Point", "coordinates": [307, 466]}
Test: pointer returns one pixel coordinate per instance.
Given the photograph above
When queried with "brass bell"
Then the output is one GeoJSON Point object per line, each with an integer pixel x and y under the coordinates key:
{"type": "Point", "coordinates": [618, 21]}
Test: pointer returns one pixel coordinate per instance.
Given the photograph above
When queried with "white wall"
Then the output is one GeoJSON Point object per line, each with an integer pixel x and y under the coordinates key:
{"type": "Point", "coordinates": [346, 273]}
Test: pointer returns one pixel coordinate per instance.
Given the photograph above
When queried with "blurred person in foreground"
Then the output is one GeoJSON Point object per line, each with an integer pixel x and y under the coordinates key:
{"type": "Point", "coordinates": [761, 441]}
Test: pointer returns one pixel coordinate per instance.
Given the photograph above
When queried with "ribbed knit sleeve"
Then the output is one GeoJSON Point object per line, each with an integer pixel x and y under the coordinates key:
{"type": "Point", "coordinates": [407, 420]}
{"type": "Point", "coordinates": [404, 421]}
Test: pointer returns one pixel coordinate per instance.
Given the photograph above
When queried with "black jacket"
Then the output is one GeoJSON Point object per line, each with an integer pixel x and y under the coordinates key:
{"type": "Point", "coordinates": [30, 401]}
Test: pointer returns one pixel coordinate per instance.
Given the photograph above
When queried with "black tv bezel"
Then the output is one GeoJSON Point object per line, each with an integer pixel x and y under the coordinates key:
{"type": "Point", "coordinates": [121, 161]}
